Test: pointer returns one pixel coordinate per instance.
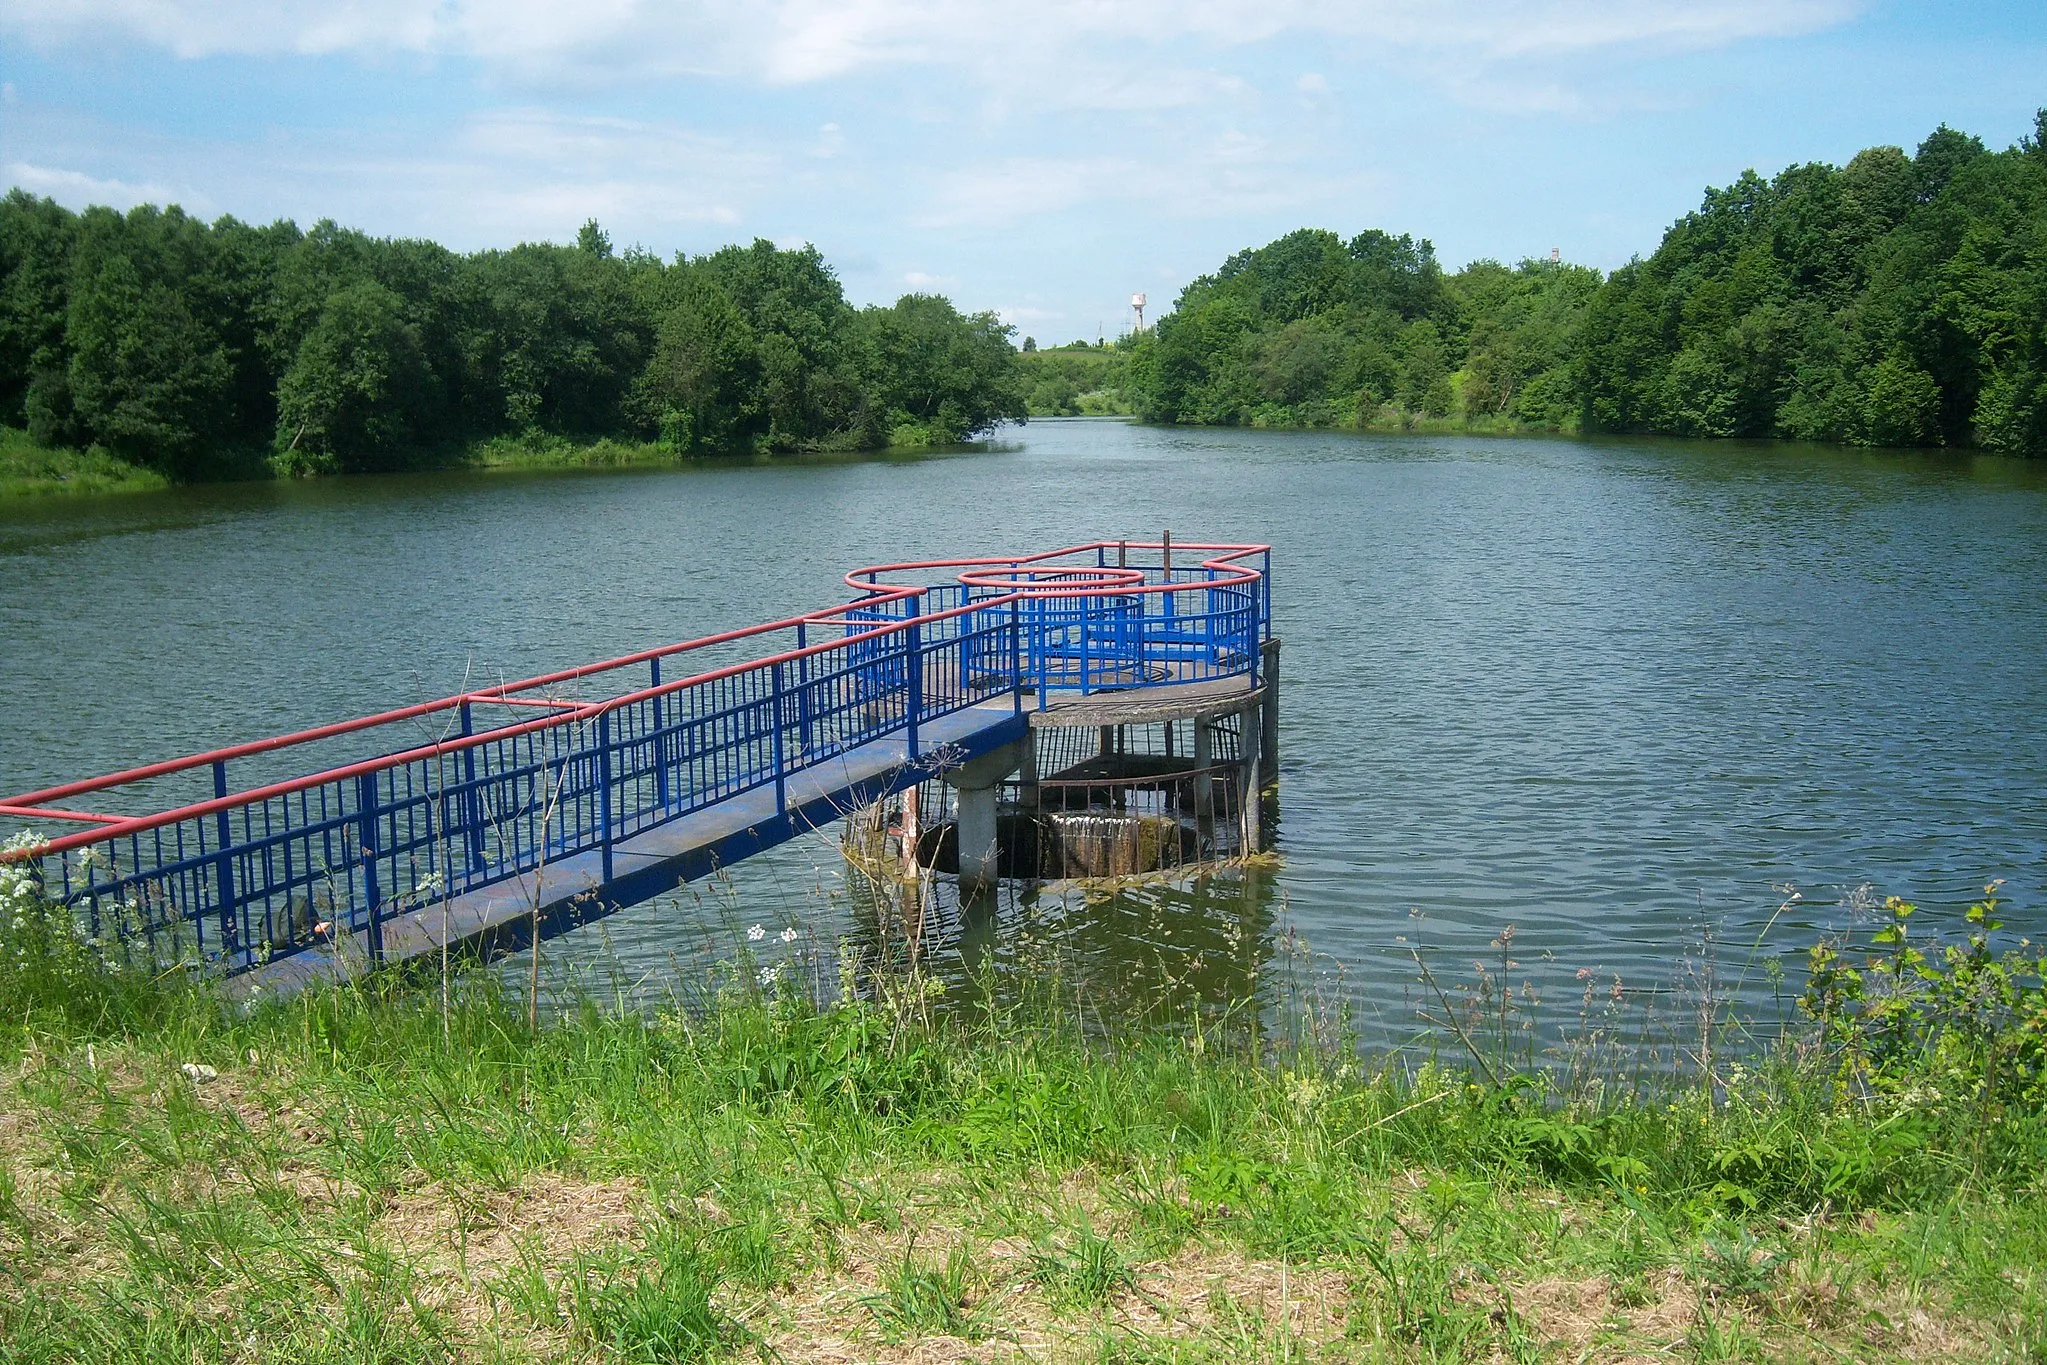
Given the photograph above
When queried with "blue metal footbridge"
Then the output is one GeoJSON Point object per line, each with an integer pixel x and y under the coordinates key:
{"type": "Point", "coordinates": [486, 817]}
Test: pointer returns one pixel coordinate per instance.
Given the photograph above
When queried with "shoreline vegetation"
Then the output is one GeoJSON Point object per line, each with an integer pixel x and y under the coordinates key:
{"type": "Point", "coordinates": [830, 1158]}
{"type": "Point", "coordinates": [200, 352]}
{"type": "Point", "coordinates": [1900, 300]}
{"type": "Point", "coordinates": [29, 470]}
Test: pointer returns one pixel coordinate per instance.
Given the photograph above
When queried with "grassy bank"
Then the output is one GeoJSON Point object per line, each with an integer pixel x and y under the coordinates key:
{"type": "Point", "coordinates": [391, 1174]}
{"type": "Point", "coordinates": [28, 469]}
{"type": "Point", "coordinates": [31, 470]}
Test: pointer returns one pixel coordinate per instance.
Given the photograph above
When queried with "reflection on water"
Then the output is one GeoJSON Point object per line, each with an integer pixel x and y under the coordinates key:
{"type": "Point", "coordinates": [1612, 693]}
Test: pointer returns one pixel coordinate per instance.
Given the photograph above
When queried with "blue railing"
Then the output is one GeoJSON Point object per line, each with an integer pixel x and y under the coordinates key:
{"type": "Point", "coordinates": [573, 764]}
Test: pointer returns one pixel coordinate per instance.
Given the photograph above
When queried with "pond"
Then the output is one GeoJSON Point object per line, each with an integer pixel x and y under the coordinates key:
{"type": "Point", "coordinates": [1616, 694]}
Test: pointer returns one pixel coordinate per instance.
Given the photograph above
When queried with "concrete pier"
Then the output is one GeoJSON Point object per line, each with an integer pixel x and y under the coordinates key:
{"type": "Point", "coordinates": [975, 783]}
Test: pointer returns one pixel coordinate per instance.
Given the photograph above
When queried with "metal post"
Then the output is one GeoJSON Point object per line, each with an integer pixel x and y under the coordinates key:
{"type": "Point", "coordinates": [1265, 587]}
{"type": "Point", "coordinates": [604, 788]}
{"type": "Point", "coordinates": [781, 776]}
{"type": "Point", "coordinates": [914, 635]}
{"type": "Point", "coordinates": [1088, 606]}
{"type": "Point", "coordinates": [1016, 682]}
{"type": "Point", "coordinates": [224, 868]}
{"type": "Point", "coordinates": [1170, 608]}
{"type": "Point", "coordinates": [1204, 789]}
{"type": "Point", "coordinates": [1039, 647]}
{"type": "Point", "coordinates": [802, 693]}
{"type": "Point", "coordinates": [472, 803]}
{"type": "Point", "coordinates": [660, 740]}
{"type": "Point", "coordinates": [366, 810]}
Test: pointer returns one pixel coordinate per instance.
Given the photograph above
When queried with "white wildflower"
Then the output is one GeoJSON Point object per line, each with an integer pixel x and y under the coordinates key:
{"type": "Point", "coordinates": [756, 934]}
{"type": "Point", "coordinates": [770, 975]}
{"type": "Point", "coordinates": [788, 936]}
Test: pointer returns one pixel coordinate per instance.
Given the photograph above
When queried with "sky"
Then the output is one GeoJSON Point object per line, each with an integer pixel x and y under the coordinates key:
{"type": "Point", "coordinates": [1042, 158]}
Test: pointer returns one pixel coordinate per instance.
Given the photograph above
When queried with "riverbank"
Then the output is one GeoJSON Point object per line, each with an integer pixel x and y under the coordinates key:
{"type": "Point", "coordinates": [31, 470]}
{"type": "Point", "coordinates": [411, 1171]}
{"type": "Point", "coordinates": [28, 469]}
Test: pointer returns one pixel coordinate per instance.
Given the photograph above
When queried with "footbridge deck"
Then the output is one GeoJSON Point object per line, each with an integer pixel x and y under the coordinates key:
{"type": "Point", "coordinates": [532, 807]}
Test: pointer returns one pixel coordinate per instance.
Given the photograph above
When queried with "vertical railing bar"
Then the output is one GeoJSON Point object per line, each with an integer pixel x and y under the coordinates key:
{"type": "Point", "coordinates": [914, 637]}
{"type": "Point", "coordinates": [224, 867]}
{"type": "Point", "coordinates": [781, 773]}
{"type": "Point", "coordinates": [1088, 606]}
{"type": "Point", "coordinates": [660, 738]}
{"type": "Point", "coordinates": [472, 805]}
{"type": "Point", "coordinates": [802, 693]}
{"type": "Point", "coordinates": [1039, 648]}
{"type": "Point", "coordinates": [604, 770]}
{"type": "Point", "coordinates": [1016, 687]}
{"type": "Point", "coordinates": [366, 811]}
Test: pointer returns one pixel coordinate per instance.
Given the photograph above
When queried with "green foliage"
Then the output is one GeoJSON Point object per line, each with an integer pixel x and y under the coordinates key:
{"type": "Point", "coordinates": [28, 466]}
{"type": "Point", "coordinates": [1314, 331]}
{"type": "Point", "coordinates": [352, 398]}
{"type": "Point", "coordinates": [1892, 301]}
{"type": "Point", "coordinates": [196, 351]}
{"type": "Point", "coordinates": [947, 375]}
{"type": "Point", "coordinates": [653, 1306]}
{"type": "Point", "coordinates": [1077, 380]}
{"type": "Point", "coordinates": [1897, 300]}
{"type": "Point", "coordinates": [58, 970]}
{"type": "Point", "coordinates": [187, 1182]}
{"type": "Point", "coordinates": [1947, 1026]}
{"type": "Point", "coordinates": [931, 1294]}
{"type": "Point", "coordinates": [1086, 1270]}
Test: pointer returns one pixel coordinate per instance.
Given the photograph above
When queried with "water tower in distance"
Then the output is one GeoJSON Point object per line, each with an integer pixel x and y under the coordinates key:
{"type": "Point", "coordinates": [1137, 309]}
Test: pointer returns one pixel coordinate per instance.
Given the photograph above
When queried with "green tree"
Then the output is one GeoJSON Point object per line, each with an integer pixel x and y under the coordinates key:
{"type": "Point", "coordinates": [948, 376]}
{"type": "Point", "coordinates": [36, 242]}
{"type": "Point", "coordinates": [353, 398]}
{"type": "Point", "coordinates": [701, 388]}
{"type": "Point", "coordinates": [149, 375]}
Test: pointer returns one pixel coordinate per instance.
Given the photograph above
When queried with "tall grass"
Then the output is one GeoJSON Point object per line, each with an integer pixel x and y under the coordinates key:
{"type": "Point", "coordinates": [857, 1169]}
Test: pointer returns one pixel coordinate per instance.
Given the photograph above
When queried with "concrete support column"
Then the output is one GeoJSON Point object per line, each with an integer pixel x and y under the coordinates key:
{"type": "Point", "coordinates": [975, 782]}
{"type": "Point", "coordinates": [979, 852]}
{"type": "Point", "coordinates": [1250, 790]}
{"type": "Point", "coordinates": [1027, 771]}
{"type": "Point", "coordinates": [1269, 728]}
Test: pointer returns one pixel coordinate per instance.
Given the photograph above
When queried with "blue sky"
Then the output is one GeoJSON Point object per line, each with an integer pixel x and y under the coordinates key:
{"type": "Point", "coordinates": [1045, 159]}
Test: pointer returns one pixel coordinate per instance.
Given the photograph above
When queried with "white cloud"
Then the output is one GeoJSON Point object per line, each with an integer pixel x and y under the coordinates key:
{"type": "Point", "coordinates": [797, 41]}
{"type": "Point", "coordinates": [76, 187]}
{"type": "Point", "coordinates": [490, 179]}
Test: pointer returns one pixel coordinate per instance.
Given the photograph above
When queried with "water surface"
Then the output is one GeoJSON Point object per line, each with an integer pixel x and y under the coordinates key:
{"type": "Point", "coordinates": [1606, 692]}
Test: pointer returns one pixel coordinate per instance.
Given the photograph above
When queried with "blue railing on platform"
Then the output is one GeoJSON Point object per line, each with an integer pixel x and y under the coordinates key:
{"type": "Point", "coordinates": [250, 875]}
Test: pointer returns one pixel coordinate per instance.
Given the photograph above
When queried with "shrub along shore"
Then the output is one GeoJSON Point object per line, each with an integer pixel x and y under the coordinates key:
{"type": "Point", "coordinates": [411, 1169]}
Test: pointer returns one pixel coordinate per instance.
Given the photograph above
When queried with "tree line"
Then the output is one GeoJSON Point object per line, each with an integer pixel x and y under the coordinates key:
{"type": "Point", "coordinates": [1897, 300]}
{"type": "Point", "coordinates": [186, 347]}
{"type": "Point", "coordinates": [1076, 380]}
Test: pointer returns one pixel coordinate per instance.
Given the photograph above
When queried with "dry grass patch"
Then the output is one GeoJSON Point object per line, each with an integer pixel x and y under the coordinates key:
{"type": "Point", "coordinates": [471, 1235]}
